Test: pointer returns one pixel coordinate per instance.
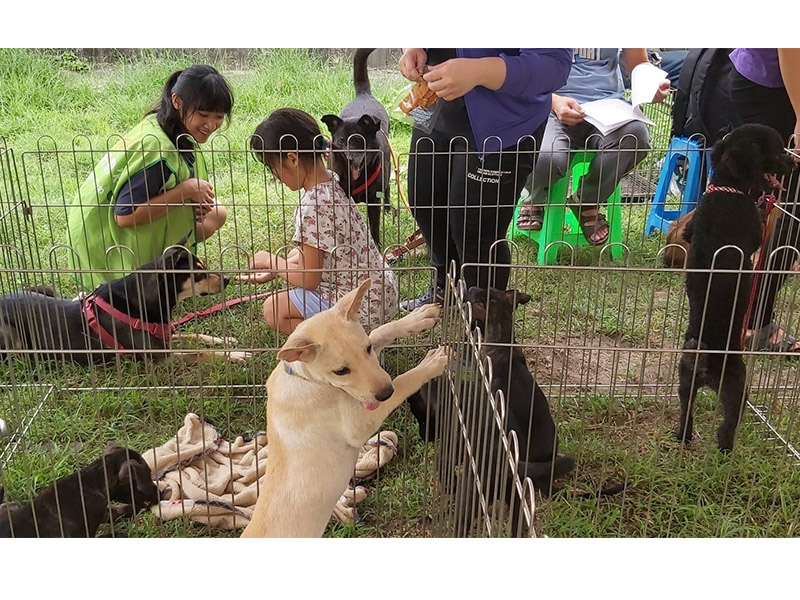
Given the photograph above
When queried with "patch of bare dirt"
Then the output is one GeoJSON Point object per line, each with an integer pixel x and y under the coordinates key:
{"type": "Point", "coordinates": [601, 361]}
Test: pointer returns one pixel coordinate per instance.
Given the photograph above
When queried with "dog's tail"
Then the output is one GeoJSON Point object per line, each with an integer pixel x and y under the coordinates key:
{"type": "Point", "coordinates": [606, 491]}
{"type": "Point", "coordinates": [360, 71]}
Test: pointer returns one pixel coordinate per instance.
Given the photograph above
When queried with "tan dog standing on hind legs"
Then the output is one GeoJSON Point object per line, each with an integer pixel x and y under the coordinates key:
{"type": "Point", "coordinates": [326, 397]}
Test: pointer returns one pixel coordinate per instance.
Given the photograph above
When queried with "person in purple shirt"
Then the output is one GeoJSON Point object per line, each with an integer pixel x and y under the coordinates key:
{"type": "Point", "coordinates": [765, 89]}
{"type": "Point", "coordinates": [462, 189]}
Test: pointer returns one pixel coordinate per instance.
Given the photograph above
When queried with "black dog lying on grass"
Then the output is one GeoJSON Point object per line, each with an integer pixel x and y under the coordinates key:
{"type": "Point", "coordinates": [131, 313]}
{"type": "Point", "coordinates": [527, 414]}
{"type": "Point", "coordinates": [75, 506]}
{"type": "Point", "coordinates": [745, 163]}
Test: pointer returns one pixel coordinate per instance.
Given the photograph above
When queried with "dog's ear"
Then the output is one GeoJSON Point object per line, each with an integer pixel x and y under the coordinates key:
{"type": "Point", "coordinates": [177, 258]}
{"type": "Point", "coordinates": [298, 348]}
{"type": "Point", "coordinates": [137, 472]}
{"type": "Point", "coordinates": [516, 298]}
{"type": "Point", "coordinates": [369, 124]}
{"type": "Point", "coordinates": [477, 298]}
{"type": "Point", "coordinates": [332, 122]}
{"type": "Point", "coordinates": [350, 304]}
{"type": "Point", "coordinates": [184, 239]}
{"type": "Point", "coordinates": [110, 448]}
{"type": "Point", "coordinates": [475, 295]}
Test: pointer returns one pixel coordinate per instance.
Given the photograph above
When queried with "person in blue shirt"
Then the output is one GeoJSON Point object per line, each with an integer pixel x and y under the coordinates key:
{"type": "Point", "coordinates": [462, 189]}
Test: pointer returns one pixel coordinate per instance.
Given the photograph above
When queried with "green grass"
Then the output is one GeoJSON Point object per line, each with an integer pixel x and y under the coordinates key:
{"type": "Point", "coordinates": [615, 408]}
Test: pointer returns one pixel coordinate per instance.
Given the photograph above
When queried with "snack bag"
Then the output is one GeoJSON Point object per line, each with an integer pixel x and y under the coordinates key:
{"type": "Point", "coordinates": [422, 104]}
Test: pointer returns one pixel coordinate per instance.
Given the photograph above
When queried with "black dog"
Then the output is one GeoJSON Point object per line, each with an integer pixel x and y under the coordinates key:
{"type": "Point", "coordinates": [360, 146]}
{"type": "Point", "coordinates": [527, 412]}
{"type": "Point", "coordinates": [745, 164]}
{"type": "Point", "coordinates": [75, 506]}
{"type": "Point", "coordinates": [35, 319]}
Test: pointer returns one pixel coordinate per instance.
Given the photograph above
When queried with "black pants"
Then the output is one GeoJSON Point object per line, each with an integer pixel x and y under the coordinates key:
{"type": "Point", "coordinates": [755, 103]}
{"type": "Point", "coordinates": [464, 202]}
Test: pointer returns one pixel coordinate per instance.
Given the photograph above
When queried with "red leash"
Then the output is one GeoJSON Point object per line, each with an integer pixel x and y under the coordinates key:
{"type": "Point", "coordinates": [218, 307]}
{"type": "Point", "coordinates": [768, 201]}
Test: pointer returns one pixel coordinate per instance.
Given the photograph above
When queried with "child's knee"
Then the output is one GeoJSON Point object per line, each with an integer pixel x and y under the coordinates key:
{"type": "Point", "coordinates": [214, 220]}
{"type": "Point", "coordinates": [270, 309]}
{"type": "Point", "coordinates": [218, 216]}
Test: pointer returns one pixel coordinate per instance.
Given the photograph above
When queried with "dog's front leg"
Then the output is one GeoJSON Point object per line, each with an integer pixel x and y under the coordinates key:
{"type": "Point", "coordinates": [419, 320]}
{"type": "Point", "coordinates": [208, 340]}
{"type": "Point", "coordinates": [433, 365]}
{"type": "Point", "coordinates": [190, 357]}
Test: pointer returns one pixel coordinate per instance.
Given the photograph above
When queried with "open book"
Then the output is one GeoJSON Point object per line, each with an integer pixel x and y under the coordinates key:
{"type": "Point", "coordinates": [612, 113]}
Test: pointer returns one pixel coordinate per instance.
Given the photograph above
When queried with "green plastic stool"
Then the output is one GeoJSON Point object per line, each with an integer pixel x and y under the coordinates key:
{"type": "Point", "coordinates": [559, 223]}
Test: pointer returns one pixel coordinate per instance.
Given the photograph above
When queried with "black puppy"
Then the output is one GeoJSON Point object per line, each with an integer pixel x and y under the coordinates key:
{"type": "Point", "coordinates": [75, 506]}
{"type": "Point", "coordinates": [142, 303]}
{"type": "Point", "coordinates": [360, 146]}
{"type": "Point", "coordinates": [527, 412]}
{"type": "Point", "coordinates": [745, 163]}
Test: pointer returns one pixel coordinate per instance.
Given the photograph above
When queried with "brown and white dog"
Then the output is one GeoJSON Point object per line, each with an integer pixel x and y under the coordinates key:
{"type": "Point", "coordinates": [326, 397]}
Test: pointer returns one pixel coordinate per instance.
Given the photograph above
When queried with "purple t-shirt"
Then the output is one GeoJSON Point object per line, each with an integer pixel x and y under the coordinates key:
{"type": "Point", "coordinates": [759, 65]}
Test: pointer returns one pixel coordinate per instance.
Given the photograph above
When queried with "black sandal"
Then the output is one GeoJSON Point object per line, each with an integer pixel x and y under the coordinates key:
{"type": "Point", "coordinates": [530, 217]}
{"type": "Point", "coordinates": [759, 339]}
{"type": "Point", "coordinates": [591, 224]}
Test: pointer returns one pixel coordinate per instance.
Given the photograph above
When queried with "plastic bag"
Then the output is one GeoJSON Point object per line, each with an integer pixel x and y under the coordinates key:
{"type": "Point", "coordinates": [422, 105]}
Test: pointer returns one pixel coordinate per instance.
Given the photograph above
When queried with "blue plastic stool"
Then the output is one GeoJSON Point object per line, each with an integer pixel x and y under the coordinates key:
{"type": "Point", "coordinates": [660, 218]}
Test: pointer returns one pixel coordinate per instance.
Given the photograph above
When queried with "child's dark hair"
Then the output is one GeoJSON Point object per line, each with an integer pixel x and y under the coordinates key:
{"type": "Point", "coordinates": [200, 87]}
{"type": "Point", "coordinates": [288, 130]}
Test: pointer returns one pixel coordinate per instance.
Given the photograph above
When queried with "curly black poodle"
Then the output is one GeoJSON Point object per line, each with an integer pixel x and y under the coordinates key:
{"type": "Point", "coordinates": [724, 232]}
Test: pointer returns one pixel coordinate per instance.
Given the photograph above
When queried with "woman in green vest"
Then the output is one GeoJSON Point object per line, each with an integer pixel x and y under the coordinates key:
{"type": "Point", "coordinates": [151, 189]}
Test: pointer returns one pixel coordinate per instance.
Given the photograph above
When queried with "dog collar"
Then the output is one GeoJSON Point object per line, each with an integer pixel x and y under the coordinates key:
{"type": "Point", "coordinates": [369, 181]}
{"type": "Point", "coordinates": [719, 188]}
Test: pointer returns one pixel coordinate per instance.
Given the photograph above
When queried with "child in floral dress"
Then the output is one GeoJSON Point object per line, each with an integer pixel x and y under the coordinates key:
{"type": "Point", "coordinates": [333, 250]}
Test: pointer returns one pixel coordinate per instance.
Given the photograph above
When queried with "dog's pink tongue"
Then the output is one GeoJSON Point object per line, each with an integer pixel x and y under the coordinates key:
{"type": "Point", "coordinates": [370, 405]}
{"type": "Point", "coordinates": [355, 172]}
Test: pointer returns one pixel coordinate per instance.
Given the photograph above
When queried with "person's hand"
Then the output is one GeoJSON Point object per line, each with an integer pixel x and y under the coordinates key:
{"type": "Point", "coordinates": [568, 110]}
{"type": "Point", "coordinates": [794, 142]}
{"type": "Point", "coordinates": [412, 63]}
{"type": "Point", "coordinates": [263, 262]}
{"type": "Point", "coordinates": [203, 210]}
{"type": "Point", "coordinates": [199, 192]}
{"type": "Point", "coordinates": [662, 92]}
{"type": "Point", "coordinates": [453, 78]}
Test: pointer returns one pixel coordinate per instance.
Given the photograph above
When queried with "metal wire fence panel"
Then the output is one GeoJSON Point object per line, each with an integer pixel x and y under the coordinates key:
{"type": "Point", "coordinates": [602, 337]}
{"type": "Point", "coordinates": [604, 343]}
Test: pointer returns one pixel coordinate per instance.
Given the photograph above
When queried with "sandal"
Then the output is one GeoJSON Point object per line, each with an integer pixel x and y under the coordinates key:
{"type": "Point", "coordinates": [530, 217]}
{"type": "Point", "coordinates": [760, 339]}
{"type": "Point", "coordinates": [591, 224]}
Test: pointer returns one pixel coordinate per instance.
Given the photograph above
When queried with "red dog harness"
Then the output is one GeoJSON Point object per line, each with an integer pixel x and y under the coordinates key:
{"type": "Point", "coordinates": [369, 182]}
{"type": "Point", "coordinates": [162, 331]}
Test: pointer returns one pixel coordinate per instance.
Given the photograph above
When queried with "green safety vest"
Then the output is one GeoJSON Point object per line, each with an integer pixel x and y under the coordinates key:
{"type": "Point", "coordinates": [91, 224]}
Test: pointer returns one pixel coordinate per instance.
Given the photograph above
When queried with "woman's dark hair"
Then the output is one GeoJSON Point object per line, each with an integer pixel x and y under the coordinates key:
{"type": "Point", "coordinates": [288, 130]}
{"type": "Point", "coordinates": [200, 87]}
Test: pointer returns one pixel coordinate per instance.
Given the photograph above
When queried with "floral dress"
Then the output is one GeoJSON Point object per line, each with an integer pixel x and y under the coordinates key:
{"type": "Point", "coordinates": [328, 220]}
